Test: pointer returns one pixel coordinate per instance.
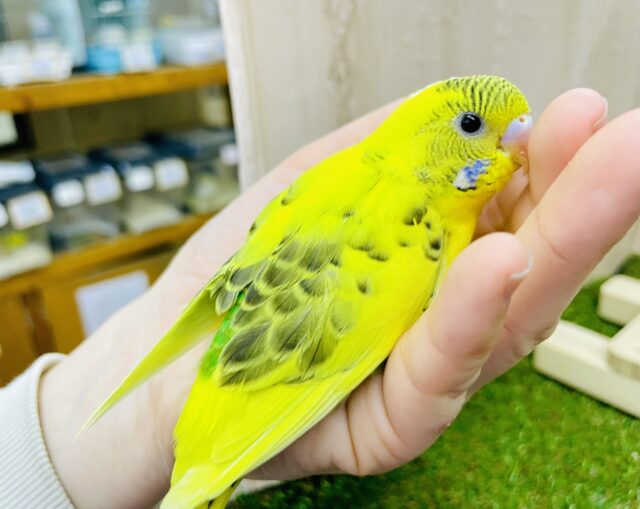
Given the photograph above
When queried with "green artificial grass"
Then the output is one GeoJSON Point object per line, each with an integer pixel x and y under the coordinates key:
{"type": "Point", "coordinates": [582, 310]}
{"type": "Point", "coordinates": [523, 442]}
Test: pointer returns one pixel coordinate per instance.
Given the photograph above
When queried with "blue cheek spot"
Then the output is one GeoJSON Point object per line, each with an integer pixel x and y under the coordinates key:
{"type": "Point", "coordinates": [467, 177]}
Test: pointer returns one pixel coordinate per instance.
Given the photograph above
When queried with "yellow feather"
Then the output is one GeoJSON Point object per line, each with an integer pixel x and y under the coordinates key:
{"type": "Point", "coordinates": [334, 270]}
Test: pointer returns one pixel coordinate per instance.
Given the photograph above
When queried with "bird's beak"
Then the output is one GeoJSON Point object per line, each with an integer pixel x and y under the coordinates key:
{"type": "Point", "coordinates": [516, 138]}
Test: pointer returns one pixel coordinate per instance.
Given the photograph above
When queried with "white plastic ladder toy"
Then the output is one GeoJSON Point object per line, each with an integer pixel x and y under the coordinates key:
{"type": "Point", "coordinates": [604, 368]}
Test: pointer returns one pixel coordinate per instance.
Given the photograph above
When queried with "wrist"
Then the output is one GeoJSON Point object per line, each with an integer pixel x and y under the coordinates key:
{"type": "Point", "coordinates": [121, 444]}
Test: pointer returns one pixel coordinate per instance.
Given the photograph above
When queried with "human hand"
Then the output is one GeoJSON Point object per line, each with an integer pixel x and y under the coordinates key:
{"type": "Point", "coordinates": [582, 194]}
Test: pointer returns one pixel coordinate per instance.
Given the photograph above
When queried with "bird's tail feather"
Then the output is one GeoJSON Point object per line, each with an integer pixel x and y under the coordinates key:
{"type": "Point", "coordinates": [198, 321]}
{"type": "Point", "coordinates": [221, 501]}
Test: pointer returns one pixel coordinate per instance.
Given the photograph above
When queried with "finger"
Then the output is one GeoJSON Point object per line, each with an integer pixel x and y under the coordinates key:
{"type": "Point", "coordinates": [435, 363]}
{"type": "Point", "coordinates": [393, 418]}
{"type": "Point", "coordinates": [565, 125]}
{"type": "Point", "coordinates": [495, 215]}
{"type": "Point", "coordinates": [589, 208]}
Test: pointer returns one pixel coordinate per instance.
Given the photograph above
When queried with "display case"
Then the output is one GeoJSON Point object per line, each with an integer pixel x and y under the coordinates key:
{"type": "Point", "coordinates": [155, 184]}
{"type": "Point", "coordinates": [24, 214]}
{"type": "Point", "coordinates": [121, 36]}
{"type": "Point", "coordinates": [212, 159]}
{"type": "Point", "coordinates": [190, 32]}
{"type": "Point", "coordinates": [86, 198]}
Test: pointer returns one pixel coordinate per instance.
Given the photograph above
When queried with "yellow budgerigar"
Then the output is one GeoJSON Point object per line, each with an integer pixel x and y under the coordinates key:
{"type": "Point", "coordinates": [333, 271]}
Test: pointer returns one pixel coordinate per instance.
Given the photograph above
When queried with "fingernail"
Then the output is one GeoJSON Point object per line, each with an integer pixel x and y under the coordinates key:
{"type": "Point", "coordinates": [603, 118]}
{"type": "Point", "coordinates": [516, 278]}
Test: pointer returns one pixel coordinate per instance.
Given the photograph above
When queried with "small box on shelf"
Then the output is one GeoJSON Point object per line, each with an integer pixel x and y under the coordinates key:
{"type": "Point", "coordinates": [33, 62]}
{"type": "Point", "coordinates": [155, 184]}
{"type": "Point", "coordinates": [212, 158]}
{"type": "Point", "coordinates": [85, 197]}
{"type": "Point", "coordinates": [24, 215]}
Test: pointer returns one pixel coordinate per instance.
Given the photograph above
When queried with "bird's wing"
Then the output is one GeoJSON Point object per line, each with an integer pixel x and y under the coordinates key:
{"type": "Point", "coordinates": [204, 313]}
{"type": "Point", "coordinates": [277, 222]}
{"type": "Point", "coordinates": [312, 322]}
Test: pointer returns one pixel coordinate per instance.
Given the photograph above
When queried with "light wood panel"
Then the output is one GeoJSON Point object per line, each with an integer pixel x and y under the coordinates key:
{"type": "Point", "coordinates": [297, 70]}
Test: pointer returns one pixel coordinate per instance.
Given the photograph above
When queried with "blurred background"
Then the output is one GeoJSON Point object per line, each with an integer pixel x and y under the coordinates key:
{"type": "Point", "coordinates": [117, 139]}
{"type": "Point", "coordinates": [116, 144]}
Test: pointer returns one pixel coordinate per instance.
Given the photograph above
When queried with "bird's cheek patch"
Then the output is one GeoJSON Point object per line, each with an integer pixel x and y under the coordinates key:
{"type": "Point", "coordinates": [467, 177]}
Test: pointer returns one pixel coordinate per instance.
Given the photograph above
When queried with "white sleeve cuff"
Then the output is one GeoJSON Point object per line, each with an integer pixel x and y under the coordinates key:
{"type": "Point", "coordinates": [27, 477]}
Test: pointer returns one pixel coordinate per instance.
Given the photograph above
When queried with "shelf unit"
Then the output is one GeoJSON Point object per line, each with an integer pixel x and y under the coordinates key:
{"type": "Point", "coordinates": [35, 313]}
{"type": "Point", "coordinates": [86, 89]}
{"type": "Point", "coordinates": [96, 256]}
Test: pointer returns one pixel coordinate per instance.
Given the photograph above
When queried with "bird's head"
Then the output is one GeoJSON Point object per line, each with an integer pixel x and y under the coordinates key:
{"type": "Point", "coordinates": [462, 138]}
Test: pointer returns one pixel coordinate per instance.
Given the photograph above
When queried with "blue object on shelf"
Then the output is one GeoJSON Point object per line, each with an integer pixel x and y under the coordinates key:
{"type": "Point", "coordinates": [139, 56]}
{"type": "Point", "coordinates": [103, 59]}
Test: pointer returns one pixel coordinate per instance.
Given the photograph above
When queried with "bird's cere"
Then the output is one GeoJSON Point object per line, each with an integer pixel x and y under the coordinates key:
{"type": "Point", "coordinates": [515, 139]}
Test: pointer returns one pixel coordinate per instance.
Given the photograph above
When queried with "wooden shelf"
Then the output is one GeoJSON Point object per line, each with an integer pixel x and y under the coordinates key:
{"type": "Point", "coordinates": [85, 89]}
{"type": "Point", "coordinates": [74, 263]}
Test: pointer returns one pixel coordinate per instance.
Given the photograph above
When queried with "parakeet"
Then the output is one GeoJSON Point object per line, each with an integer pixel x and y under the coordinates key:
{"type": "Point", "coordinates": [333, 271]}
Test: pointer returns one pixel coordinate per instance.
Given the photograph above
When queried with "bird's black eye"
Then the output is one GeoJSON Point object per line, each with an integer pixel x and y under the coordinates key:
{"type": "Point", "coordinates": [470, 123]}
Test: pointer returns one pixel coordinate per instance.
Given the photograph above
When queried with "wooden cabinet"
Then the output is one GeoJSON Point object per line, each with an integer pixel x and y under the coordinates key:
{"type": "Point", "coordinates": [17, 342]}
{"type": "Point", "coordinates": [53, 308]}
{"type": "Point", "coordinates": [73, 308]}
{"type": "Point", "coordinates": [43, 310]}
{"type": "Point", "coordinates": [56, 307]}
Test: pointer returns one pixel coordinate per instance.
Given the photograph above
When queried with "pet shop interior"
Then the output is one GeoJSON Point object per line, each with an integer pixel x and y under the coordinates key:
{"type": "Point", "coordinates": [128, 126]}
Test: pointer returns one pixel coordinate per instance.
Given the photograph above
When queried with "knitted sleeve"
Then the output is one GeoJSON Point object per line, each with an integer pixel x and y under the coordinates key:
{"type": "Point", "coordinates": [27, 477]}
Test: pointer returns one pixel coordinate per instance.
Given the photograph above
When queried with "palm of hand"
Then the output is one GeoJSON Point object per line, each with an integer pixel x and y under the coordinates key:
{"type": "Point", "coordinates": [582, 193]}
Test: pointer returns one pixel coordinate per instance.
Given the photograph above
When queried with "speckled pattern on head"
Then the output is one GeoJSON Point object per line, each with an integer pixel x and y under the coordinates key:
{"type": "Point", "coordinates": [486, 92]}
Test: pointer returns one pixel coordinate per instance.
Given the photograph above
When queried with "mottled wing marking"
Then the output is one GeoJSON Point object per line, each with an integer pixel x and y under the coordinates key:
{"type": "Point", "coordinates": [434, 248]}
{"type": "Point", "coordinates": [415, 216]}
{"type": "Point", "coordinates": [285, 311]}
{"type": "Point", "coordinates": [286, 315]}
